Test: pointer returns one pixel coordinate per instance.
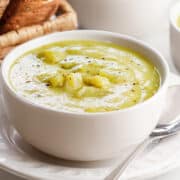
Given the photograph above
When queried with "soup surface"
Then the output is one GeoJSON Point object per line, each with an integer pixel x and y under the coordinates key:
{"type": "Point", "coordinates": [178, 22]}
{"type": "Point", "coordinates": [84, 76]}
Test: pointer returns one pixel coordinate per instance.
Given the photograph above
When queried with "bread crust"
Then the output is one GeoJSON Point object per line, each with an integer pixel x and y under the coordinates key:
{"type": "Point", "coordinates": [3, 6]}
{"type": "Point", "coordinates": [22, 13]}
{"type": "Point", "coordinates": [66, 19]}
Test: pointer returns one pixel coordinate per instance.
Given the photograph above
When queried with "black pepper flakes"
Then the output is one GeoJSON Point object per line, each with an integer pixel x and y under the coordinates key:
{"type": "Point", "coordinates": [47, 84]}
{"type": "Point", "coordinates": [38, 95]}
{"type": "Point", "coordinates": [28, 81]}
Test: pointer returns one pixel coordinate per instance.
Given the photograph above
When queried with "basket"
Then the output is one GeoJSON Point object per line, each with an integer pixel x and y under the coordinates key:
{"type": "Point", "coordinates": [66, 19]}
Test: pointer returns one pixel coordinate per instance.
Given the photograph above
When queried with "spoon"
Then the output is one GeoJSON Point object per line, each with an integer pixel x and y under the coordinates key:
{"type": "Point", "coordinates": [162, 131]}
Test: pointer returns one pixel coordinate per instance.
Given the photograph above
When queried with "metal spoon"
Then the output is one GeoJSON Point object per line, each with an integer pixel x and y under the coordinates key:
{"type": "Point", "coordinates": [162, 131]}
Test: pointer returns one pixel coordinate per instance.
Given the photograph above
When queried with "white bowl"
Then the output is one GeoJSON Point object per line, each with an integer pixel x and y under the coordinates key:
{"type": "Point", "coordinates": [140, 18]}
{"type": "Point", "coordinates": [84, 136]}
{"type": "Point", "coordinates": [175, 34]}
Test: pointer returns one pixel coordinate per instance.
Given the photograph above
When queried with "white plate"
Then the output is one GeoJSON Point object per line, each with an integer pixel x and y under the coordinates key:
{"type": "Point", "coordinates": [21, 159]}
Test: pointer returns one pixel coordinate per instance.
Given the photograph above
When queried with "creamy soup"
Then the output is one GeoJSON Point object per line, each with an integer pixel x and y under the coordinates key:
{"type": "Point", "coordinates": [178, 22]}
{"type": "Point", "coordinates": [84, 76]}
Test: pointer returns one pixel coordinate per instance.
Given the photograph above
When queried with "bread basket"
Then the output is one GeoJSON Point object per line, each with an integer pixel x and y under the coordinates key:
{"type": "Point", "coordinates": [65, 19]}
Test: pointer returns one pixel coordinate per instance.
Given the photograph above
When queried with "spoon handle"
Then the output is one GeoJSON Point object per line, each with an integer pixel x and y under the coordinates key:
{"type": "Point", "coordinates": [118, 171]}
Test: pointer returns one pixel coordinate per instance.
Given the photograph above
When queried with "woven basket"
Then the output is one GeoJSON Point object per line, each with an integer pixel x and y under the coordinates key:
{"type": "Point", "coordinates": [66, 19]}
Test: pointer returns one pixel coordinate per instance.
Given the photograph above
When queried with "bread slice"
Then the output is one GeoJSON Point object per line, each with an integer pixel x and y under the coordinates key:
{"type": "Point", "coordinates": [21, 13]}
{"type": "Point", "coordinates": [3, 6]}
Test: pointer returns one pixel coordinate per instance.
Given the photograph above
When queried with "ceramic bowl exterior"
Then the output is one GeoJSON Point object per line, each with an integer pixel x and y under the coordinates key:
{"type": "Point", "coordinates": [175, 34]}
{"type": "Point", "coordinates": [84, 136]}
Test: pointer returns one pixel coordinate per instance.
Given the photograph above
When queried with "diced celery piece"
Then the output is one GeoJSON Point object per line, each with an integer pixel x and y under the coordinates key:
{"type": "Point", "coordinates": [68, 64]}
{"type": "Point", "coordinates": [97, 81]}
{"type": "Point", "coordinates": [57, 80]}
{"type": "Point", "coordinates": [51, 57]}
{"type": "Point", "coordinates": [100, 82]}
{"type": "Point", "coordinates": [44, 77]}
{"type": "Point", "coordinates": [86, 78]}
{"type": "Point", "coordinates": [90, 91]}
{"type": "Point", "coordinates": [73, 81]}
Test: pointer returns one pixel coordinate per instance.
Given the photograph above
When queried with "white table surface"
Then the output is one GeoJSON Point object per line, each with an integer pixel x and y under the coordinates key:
{"type": "Point", "coordinates": [174, 175]}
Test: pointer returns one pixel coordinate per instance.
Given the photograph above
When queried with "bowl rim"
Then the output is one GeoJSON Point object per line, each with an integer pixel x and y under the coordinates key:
{"type": "Point", "coordinates": [173, 12]}
{"type": "Point", "coordinates": [97, 32]}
